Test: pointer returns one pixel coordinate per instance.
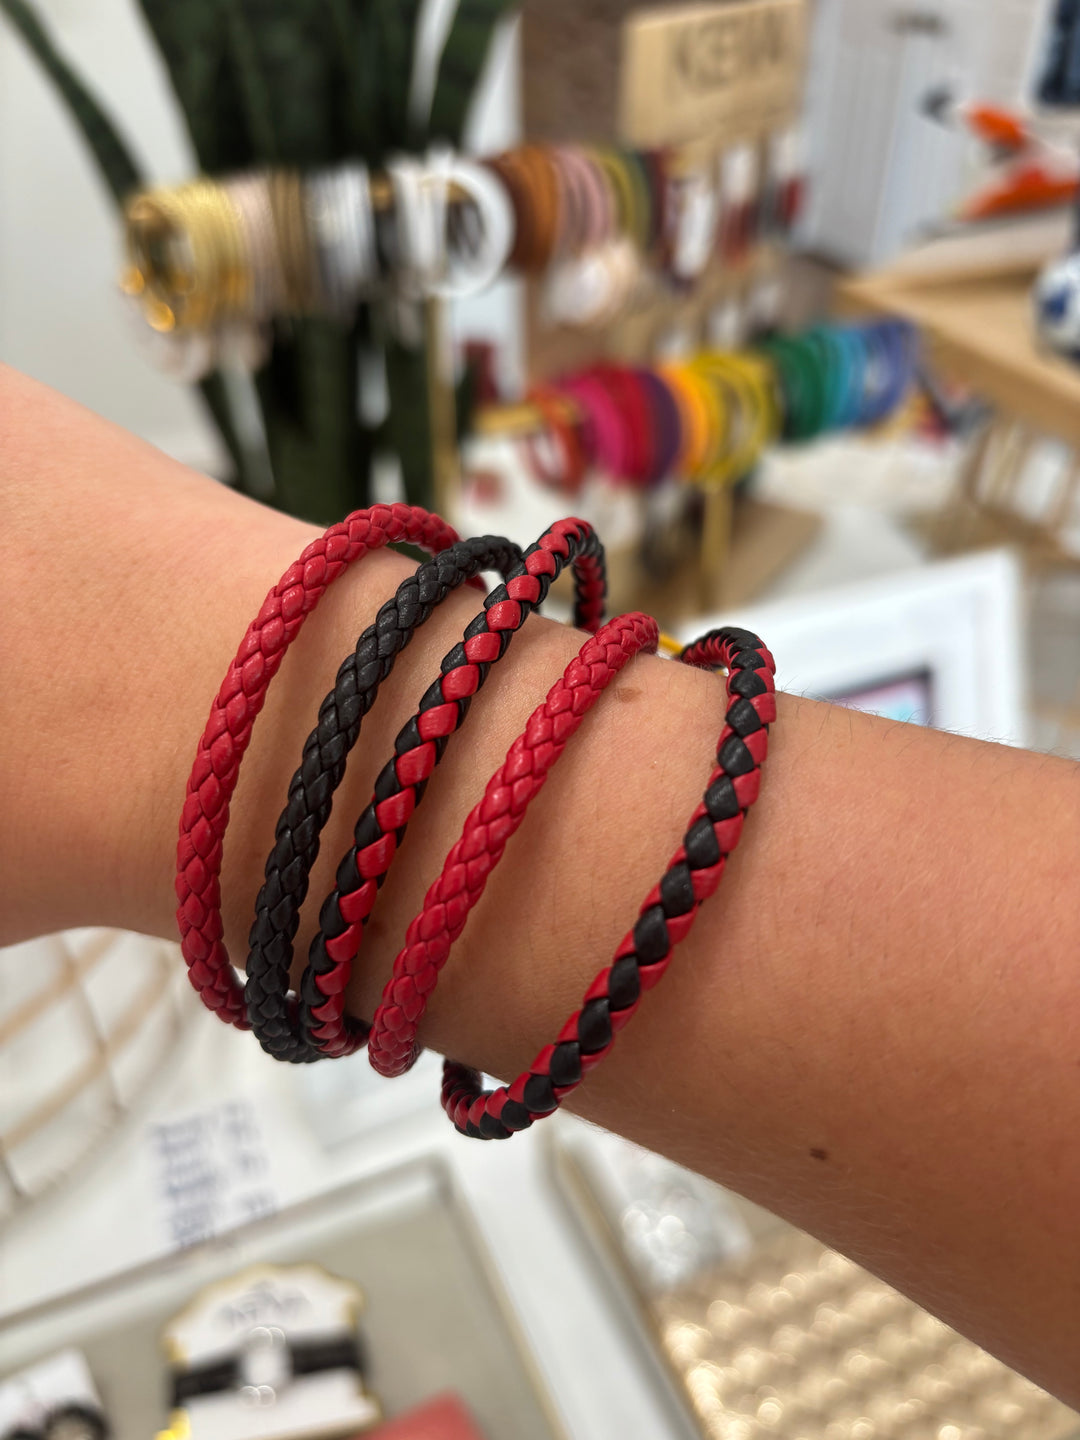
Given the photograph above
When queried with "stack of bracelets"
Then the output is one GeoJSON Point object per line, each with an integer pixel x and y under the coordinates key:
{"type": "Point", "coordinates": [259, 244]}
{"type": "Point", "coordinates": [706, 419]}
{"type": "Point", "coordinates": [312, 1023]}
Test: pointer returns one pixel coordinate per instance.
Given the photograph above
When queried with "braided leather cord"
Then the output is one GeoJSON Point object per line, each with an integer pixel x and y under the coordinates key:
{"type": "Point", "coordinates": [664, 919]}
{"type": "Point", "coordinates": [221, 748]}
{"type": "Point", "coordinates": [418, 749]}
{"type": "Point", "coordinates": [392, 1046]}
{"type": "Point", "coordinates": [270, 1008]}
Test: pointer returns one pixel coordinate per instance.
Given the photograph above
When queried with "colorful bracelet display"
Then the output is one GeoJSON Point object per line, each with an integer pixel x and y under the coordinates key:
{"type": "Point", "coordinates": [314, 1022]}
{"type": "Point", "coordinates": [707, 419]}
{"type": "Point", "coordinates": [243, 249]}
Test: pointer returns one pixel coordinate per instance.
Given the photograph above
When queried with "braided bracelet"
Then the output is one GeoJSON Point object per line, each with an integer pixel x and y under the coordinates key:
{"type": "Point", "coordinates": [392, 1046]}
{"type": "Point", "coordinates": [221, 748]}
{"type": "Point", "coordinates": [270, 1008]}
{"type": "Point", "coordinates": [417, 750]}
{"type": "Point", "coordinates": [664, 919]}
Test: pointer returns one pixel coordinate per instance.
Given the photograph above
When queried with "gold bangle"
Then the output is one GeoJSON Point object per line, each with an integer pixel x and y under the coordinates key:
{"type": "Point", "coordinates": [187, 245]}
{"type": "Point", "coordinates": [229, 282]}
{"type": "Point", "coordinates": [160, 254]}
{"type": "Point", "coordinates": [285, 190]}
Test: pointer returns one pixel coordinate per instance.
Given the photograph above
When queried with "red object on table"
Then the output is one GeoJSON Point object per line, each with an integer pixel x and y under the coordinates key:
{"type": "Point", "coordinates": [444, 1418]}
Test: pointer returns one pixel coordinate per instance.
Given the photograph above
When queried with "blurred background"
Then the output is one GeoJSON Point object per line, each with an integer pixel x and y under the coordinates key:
{"type": "Point", "coordinates": [784, 297]}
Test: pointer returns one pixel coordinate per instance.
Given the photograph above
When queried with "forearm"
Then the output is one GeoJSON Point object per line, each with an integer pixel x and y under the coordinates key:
{"type": "Point", "coordinates": [874, 1028]}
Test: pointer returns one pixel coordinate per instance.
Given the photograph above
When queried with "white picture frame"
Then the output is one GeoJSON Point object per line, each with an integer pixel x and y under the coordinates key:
{"type": "Point", "coordinates": [956, 626]}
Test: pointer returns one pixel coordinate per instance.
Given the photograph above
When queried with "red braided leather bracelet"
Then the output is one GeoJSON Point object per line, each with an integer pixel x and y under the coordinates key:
{"type": "Point", "coordinates": [419, 747]}
{"type": "Point", "coordinates": [392, 1046]}
{"type": "Point", "coordinates": [221, 748]}
{"type": "Point", "coordinates": [664, 919]}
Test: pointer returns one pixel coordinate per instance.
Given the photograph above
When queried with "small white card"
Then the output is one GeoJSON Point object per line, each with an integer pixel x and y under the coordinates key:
{"type": "Point", "coordinates": [211, 1171]}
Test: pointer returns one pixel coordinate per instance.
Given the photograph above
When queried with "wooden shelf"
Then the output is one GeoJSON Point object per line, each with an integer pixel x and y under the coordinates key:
{"type": "Point", "coordinates": [982, 329]}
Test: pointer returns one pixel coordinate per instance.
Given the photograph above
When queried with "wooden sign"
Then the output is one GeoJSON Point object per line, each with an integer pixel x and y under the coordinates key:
{"type": "Point", "coordinates": [718, 72]}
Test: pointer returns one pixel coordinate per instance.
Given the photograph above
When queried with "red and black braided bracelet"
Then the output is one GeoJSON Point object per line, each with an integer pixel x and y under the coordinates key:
{"type": "Point", "coordinates": [221, 748]}
{"type": "Point", "coordinates": [419, 747]}
{"type": "Point", "coordinates": [392, 1046]}
{"type": "Point", "coordinates": [270, 1007]}
{"type": "Point", "coordinates": [664, 919]}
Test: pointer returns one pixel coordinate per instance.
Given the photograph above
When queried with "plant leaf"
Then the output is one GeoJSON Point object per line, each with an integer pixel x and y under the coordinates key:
{"type": "Point", "coordinates": [293, 79]}
{"type": "Point", "coordinates": [461, 65]}
{"type": "Point", "coordinates": [319, 454]}
{"type": "Point", "coordinates": [114, 160]}
{"type": "Point", "coordinates": [408, 424]}
{"type": "Point", "coordinates": [397, 21]}
{"type": "Point", "coordinates": [121, 174]}
{"type": "Point", "coordinates": [192, 36]}
{"type": "Point", "coordinates": [369, 68]}
{"type": "Point", "coordinates": [215, 398]}
{"type": "Point", "coordinates": [357, 108]}
{"type": "Point", "coordinates": [255, 93]}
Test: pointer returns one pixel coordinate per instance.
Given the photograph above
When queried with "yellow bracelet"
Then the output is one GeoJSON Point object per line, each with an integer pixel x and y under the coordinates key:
{"type": "Point", "coordinates": [750, 411]}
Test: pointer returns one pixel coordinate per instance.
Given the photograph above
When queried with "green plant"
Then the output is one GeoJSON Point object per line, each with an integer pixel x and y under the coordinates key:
{"type": "Point", "coordinates": [299, 83]}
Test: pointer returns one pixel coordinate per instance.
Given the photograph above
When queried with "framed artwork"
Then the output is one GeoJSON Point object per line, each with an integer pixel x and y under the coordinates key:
{"type": "Point", "coordinates": [940, 645]}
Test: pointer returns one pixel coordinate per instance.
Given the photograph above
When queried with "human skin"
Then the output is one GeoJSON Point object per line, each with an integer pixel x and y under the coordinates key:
{"type": "Point", "coordinates": [874, 1027]}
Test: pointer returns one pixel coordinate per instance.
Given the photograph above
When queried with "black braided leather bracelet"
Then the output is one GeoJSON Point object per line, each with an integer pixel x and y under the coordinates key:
{"type": "Point", "coordinates": [417, 750]}
{"type": "Point", "coordinates": [271, 1009]}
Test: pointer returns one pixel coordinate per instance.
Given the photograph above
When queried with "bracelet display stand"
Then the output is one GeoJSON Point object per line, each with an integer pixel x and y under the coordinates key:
{"type": "Point", "coordinates": [577, 83]}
